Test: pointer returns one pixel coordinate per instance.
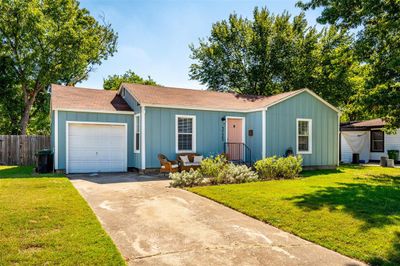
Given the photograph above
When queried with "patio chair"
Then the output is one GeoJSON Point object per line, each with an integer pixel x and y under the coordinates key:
{"type": "Point", "coordinates": [167, 166]}
{"type": "Point", "coordinates": [190, 163]}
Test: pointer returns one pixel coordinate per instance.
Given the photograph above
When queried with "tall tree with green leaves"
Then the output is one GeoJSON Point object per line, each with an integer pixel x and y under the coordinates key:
{"type": "Point", "coordinates": [276, 53]}
{"type": "Point", "coordinates": [112, 82]}
{"type": "Point", "coordinates": [377, 45]}
{"type": "Point", "coordinates": [50, 41]}
{"type": "Point", "coordinates": [10, 98]}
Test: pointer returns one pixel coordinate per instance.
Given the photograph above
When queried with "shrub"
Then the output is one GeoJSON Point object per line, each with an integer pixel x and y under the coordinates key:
{"type": "Point", "coordinates": [186, 179]}
{"type": "Point", "coordinates": [212, 166]}
{"type": "Point", "coordinates": [214, 170]}
{"type": "Point", "coordinates": [274, 167]}
{"type": "Point", "coordinates": [290, 167]}
{"type": "Point", "coordinates": [233, 174]}
{"type": "Point", "coordinates": [267, 168]}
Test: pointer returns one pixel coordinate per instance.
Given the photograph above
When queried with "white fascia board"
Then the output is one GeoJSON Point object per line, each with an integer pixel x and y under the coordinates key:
{"type": "Point", "coordinates": [236, 110]}
{"type": "Point", "coordinates": [203, 109]}
{"type": "Point", "coordinates": [94, 111]}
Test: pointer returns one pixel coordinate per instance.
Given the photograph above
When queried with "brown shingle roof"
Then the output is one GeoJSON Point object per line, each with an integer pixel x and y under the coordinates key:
{"type": "Point", "coordinates": [178, 97]}
{"type": "Point", "coordinates": [366, 124]}
{"type": "Point", "coordinates": [74, 98]}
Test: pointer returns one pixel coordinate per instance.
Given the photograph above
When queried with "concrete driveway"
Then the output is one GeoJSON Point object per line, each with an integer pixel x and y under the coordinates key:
{"type": "Point", "coordinates": [153, 224]}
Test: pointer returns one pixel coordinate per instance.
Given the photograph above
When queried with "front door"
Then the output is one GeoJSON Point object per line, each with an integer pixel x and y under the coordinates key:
{"type": "Point", "coordinates": [234, 139]}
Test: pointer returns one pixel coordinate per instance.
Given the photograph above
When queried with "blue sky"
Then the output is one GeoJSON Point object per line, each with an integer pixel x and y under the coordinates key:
{"type": "Point", "coordinates": [154, 35]}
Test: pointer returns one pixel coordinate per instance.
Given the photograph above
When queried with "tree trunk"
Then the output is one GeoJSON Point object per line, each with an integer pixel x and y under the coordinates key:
{"type": "Point", "coordinates": [25, 119]}
{"type": "Point", "coordinates": [29, 100]}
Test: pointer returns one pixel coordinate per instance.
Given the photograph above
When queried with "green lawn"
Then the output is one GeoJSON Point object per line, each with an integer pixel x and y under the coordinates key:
{"type": "Point", "coordinates": [44, 220]}
{"type": "Point", "coordinates": [353, 210]}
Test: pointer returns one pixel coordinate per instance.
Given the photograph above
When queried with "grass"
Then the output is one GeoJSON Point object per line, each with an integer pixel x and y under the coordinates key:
{"type": "Point", "coordinates": [44, 220]}
{"type": "Point", "coordinates": [352, 210]}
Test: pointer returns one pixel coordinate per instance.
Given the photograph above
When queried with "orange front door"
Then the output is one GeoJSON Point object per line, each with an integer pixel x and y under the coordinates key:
{"type": "Point", "coordinates": [234, 138]}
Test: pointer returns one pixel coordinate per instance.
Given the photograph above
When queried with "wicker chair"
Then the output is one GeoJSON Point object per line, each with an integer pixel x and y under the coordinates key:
{"type": "Point", "coordinates": [187, 166]}
{"type": "Point", "coordinates": [167, 166]}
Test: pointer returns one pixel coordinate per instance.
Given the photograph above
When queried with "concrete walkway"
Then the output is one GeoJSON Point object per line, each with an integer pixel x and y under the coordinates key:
{"type": "Point", "coordinates": [153, 224]}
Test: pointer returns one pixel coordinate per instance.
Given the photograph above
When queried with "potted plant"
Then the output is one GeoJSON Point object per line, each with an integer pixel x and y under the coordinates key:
{"type": "Point", "coordinates": [289, 152]}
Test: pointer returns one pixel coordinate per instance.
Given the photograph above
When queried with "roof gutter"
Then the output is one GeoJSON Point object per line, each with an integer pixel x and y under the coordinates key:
{"type": "Point", "coordinates": [93, 111]}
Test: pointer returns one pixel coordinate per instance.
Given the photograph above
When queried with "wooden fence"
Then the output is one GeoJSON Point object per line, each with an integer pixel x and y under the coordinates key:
{"type": "Point", "coordinates": [21, 150]}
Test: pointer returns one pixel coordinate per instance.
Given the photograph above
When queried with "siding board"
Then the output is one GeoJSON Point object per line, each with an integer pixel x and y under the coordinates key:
{"type": "Point", "coordinates": [64, 116]}
{"type": "Point", "coordinates": [281, 129]}
{"type": "Point", "coordinates": [160, 132]}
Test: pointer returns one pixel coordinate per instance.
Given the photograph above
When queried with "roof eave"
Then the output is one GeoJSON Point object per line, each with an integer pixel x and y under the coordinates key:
{"type": "Point", "coordinates": [203, 108]}
{"type": "Point", "coordinates": [80, 110]}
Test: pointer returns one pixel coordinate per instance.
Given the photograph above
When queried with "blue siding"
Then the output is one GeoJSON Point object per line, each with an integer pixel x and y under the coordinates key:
{"type": "Point", "coordinates": [210, 130]}
{"type": "Point", "coordinates": [281, 129]}
{"type": "Point", "coordinates": [131, 101]}
{"type": "Point", "coordinates": [254, 122]}
{"type": "Point", "coordinates": [160, 132]}
{"type": "Point", "coordinates": [63, 117]}
{"type": "Point", "coordinates": [136, 108]}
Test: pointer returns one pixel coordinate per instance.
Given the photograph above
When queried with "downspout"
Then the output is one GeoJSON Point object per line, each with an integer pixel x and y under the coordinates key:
{"type": "Point", "coordinates": [143, 137]}
{"type": "Point", "coordinates": [264, 133]}
{"type": "Point", "coordinates": [338, 141]}
{"type": "Point", "coordinates": [56, 140]}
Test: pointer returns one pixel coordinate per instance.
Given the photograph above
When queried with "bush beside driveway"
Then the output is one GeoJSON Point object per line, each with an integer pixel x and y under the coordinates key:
{"type": "Point", "coordinates": [44, 220]}
{"type": "Point", "coordinates": [353, 210]}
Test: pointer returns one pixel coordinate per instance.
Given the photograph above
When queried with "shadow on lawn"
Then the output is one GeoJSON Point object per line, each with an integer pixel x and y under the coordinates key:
{"type": "Point", "coordinates": [309, 173]}
{"type": "Point", "coordinates": [376, 204]}
{"type": "Point", "coordinates": [384, 179]}
{"type": "Point", "coordinates": [393, 257]}
{"type": "Point", "coordinates": [22, 172]}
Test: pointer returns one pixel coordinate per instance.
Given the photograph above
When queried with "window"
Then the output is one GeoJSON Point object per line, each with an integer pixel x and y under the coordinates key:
{"type": "Point", "coordinates": [377, 141]}
{"type": "Point", "coordinates": [304, 136]}
{"type": "Point", "coordinates": [136, 133]}
{"type": "Point", "coordinates": [185, 133]}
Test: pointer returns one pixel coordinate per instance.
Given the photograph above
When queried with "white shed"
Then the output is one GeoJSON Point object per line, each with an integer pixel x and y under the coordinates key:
{"type": "Point", "coordinates": [367, 139]}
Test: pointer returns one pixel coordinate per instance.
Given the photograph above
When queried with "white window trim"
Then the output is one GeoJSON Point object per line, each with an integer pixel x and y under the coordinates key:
{"type": "Point", "coordinates": [309, 135]}
{"type": "Point", "coordinates": [193, 117]}
{"type": "Point", "coordinates": [136, 119]}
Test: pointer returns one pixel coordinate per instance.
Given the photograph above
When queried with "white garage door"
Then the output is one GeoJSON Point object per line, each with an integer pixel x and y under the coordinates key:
{"type": "Point", "coordinates": [96, 148]}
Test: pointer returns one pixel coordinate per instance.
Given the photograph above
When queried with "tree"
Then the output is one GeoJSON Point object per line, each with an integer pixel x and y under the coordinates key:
{"type": "Point", "coordinates": [377, 45]}
{"type": "Point", "coordinates": [10, 98]}
{"type": "Point", "coordinates": [112, 82]}
{"type": "Point", "coordinates": [50, 41]}
{"type": "Point", "coordinates": [276, 53]}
